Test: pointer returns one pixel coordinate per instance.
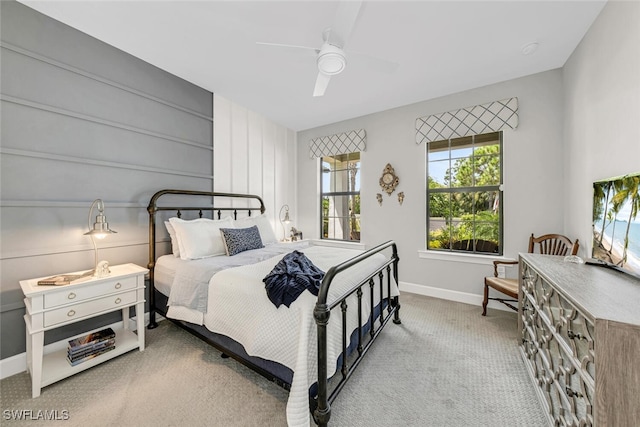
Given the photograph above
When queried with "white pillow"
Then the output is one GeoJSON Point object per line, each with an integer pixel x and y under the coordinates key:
{"type": "Point", "coordinates": [264, 227]}
{"type": "Point", "coordinates": [200, 238]}
{"type": "Point", "coordinates": [175, 248]}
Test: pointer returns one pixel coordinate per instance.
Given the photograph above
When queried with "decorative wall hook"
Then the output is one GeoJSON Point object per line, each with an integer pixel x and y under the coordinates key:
{"type": "Point", "coordinates": [401, 197]}
{"type": "Point", "coordinates": [379, 197]}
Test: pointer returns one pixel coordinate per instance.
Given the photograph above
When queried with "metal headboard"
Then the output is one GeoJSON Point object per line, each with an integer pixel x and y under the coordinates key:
{"type": "Point", "coordinates": [153, 208]}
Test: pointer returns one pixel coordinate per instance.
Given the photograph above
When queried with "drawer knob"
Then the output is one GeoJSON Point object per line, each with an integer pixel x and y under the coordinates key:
{"type": "Point", "coordinates": [71, 295]}
{"type": "Point", "coordinates": [118, 285]}
{"type": "Point", "coordinates": [118, 300]}
{"type": "Point", "coordinates": [71, 313]}
{"type": "Point", "coordinates": [575, 336]}
{"type": "Point", "coordinates": [572, 393]}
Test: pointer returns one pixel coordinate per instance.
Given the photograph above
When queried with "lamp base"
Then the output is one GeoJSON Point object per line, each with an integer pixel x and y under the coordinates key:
{"type": "Point", "coordinates": [102, 269]}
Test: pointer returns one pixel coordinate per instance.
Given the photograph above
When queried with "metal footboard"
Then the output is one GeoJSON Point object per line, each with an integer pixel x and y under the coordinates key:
{"type": "Point", "coordinates": [322, 314]}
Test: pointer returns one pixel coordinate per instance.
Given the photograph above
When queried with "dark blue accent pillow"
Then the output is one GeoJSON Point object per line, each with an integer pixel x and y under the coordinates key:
{"type": "Point", "coordinates": [238, 240]}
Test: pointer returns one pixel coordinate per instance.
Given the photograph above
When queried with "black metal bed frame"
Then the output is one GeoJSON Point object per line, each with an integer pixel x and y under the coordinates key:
{"type": "Point", "coordinates": [327, 389]}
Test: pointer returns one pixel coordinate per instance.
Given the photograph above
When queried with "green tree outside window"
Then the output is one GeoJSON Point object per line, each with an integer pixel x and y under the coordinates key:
{"type": "Point", "coordinates": [463, 194]}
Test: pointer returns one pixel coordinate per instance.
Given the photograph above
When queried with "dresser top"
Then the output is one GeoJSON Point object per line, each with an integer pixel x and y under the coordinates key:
{"type": "Point", "coordinates": [600, 292]}
{"type": "Point", "coordinates": [31, 288]}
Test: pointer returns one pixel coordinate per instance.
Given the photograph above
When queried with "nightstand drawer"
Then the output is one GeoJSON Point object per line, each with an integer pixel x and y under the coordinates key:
{"type": "Point", "coordinates": [70, 295]}
{"type": "Point", "coordinates": [87, 308]}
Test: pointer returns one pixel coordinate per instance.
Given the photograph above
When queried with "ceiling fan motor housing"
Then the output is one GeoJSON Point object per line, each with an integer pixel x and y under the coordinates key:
{"type": "Point", "coordinates": [331, 60]}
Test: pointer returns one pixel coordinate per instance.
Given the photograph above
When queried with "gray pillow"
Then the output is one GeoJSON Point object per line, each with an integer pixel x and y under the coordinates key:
{"type": "Point", "coordinates": [238, 240]}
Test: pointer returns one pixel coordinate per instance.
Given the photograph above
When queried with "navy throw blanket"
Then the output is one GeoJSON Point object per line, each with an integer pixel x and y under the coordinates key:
{"type": "Point", "coordinates": [290, 277]}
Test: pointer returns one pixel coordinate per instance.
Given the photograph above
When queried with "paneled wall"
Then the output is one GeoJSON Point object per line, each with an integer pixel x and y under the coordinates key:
{"type": "Point", "coordinates": [257, 156]}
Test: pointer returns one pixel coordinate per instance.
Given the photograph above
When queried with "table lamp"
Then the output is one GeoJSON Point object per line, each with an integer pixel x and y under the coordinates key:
{"type": "Point", "coordinates": [100, 230]}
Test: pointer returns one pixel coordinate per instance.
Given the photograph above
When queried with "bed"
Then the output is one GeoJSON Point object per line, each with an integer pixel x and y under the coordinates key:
{"type": "Point", "coordinates": [310, 346]}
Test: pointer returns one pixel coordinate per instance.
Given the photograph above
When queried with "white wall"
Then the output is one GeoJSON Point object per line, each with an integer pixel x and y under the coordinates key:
{"type": "Point", "coordinates": [533, 176]}
{"type": "Point", "coordinates": [601, 85]}
{"type": "Point", "coordinates": [256, 156]}
{"type": "Point", "coordinates": [578, 124]}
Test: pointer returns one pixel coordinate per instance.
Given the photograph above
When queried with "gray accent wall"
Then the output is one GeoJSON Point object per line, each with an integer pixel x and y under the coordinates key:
{"type": "Point", "coordinates": [83, 120]}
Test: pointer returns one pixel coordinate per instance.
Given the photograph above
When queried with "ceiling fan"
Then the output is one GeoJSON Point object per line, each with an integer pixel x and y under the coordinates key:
{"type": "Point", "coordinates": [331, 57]}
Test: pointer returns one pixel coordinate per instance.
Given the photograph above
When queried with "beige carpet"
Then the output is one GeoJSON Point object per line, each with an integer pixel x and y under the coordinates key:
{"type": "Point", "coordinates": [446, 365]}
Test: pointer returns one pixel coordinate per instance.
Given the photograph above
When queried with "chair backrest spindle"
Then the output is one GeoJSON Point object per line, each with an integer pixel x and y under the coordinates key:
{"type": "Point", "coordinates": [553, 244]}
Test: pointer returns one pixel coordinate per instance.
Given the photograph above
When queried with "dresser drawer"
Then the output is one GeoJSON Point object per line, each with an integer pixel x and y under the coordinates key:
{"type": "Point", "coordinates": [577, 332]}
{"type": "Point", "coordinates": [81, 293]}
{"type": "Point", "coordinates": [88, 308]}
{"type": "Point", "coordinates": [575, 395]}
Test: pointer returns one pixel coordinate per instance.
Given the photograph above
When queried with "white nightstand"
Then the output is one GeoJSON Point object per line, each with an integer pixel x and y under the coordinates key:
{"type": "Point", "coordinates": [50, 307]}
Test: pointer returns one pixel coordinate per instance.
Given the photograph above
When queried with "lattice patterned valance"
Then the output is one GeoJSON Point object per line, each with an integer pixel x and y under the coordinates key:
{"type": "Point", "coordinates": [475, 120]}
{"type": "Point", "coordinates": [340, 143]}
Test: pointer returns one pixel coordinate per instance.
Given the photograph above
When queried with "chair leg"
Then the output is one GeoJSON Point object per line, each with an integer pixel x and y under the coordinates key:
{"type": "Point", "coordinates": [485, 301]}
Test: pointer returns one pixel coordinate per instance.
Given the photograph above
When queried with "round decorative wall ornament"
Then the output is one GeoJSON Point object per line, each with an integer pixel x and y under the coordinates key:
{"type": "Point", "coordinates": [389, 181]}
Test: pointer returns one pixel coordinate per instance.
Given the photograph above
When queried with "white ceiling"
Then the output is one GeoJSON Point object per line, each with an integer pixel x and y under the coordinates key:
{"type": "Point", "coordinates": [441, 47]}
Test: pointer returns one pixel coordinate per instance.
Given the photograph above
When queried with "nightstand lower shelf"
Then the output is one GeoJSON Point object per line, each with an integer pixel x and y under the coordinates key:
{"type": "Point", "coordinates": [56, 367]}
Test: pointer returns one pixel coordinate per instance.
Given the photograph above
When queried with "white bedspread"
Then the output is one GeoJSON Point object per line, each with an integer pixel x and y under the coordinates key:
{"type": "Point", "coordinates": [190, 279]}
{"type": "Point", "coordinates": [238, 307]}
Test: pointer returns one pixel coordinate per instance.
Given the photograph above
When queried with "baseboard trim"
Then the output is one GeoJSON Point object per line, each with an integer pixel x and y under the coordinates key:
{"type": "Point", "coordinates": [447, 294]}
{"type": "Point", "coordinates": [16, 364]}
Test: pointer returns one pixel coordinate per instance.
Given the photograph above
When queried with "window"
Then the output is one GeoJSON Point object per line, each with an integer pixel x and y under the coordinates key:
{"type": "Point", "coordinates": [464, 209]}
{"type": "Point", "coordinates": [340, 197]}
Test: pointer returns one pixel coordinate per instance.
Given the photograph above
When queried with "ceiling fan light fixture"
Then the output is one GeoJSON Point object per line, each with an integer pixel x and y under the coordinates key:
{"type": "Point", "coordinates": [331, 60]}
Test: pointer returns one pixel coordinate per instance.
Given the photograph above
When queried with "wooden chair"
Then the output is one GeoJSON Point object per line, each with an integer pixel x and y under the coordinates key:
{"type": "Point", "coordinates": [549, 244]}
{"type": "Point", "coordinates": [478, 245]}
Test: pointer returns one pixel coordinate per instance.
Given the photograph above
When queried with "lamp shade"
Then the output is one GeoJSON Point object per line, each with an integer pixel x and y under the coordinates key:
{"type": "Point", "coordinates": [100, 228]}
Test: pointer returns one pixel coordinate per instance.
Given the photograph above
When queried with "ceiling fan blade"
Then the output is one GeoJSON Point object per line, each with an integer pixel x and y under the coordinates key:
{"type": "Point", "coordinates": [291, 46]}
{"type": "Point", "coordinates": [375, 63]}
{"type": "Point", "coordinates": [343, 22]}
{"type": "Point", "coordinates": [321, 84]}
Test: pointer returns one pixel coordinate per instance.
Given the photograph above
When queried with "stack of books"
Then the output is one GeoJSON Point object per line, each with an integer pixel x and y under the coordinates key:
{"type": "Point", "coordinates": [91, 345]}
{"type": "Point", "coordinates": [66, 279]}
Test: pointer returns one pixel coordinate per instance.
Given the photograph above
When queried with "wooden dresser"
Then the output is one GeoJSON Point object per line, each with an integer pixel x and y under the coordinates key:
{"type": "Point", "coordinates": [580, 340]}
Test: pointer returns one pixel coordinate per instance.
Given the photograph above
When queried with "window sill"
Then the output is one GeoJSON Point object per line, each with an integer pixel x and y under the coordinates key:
{"type": "Point", "coordinates": [461, 257]}
{"type": "Point", "coordinates": [337, 244]}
